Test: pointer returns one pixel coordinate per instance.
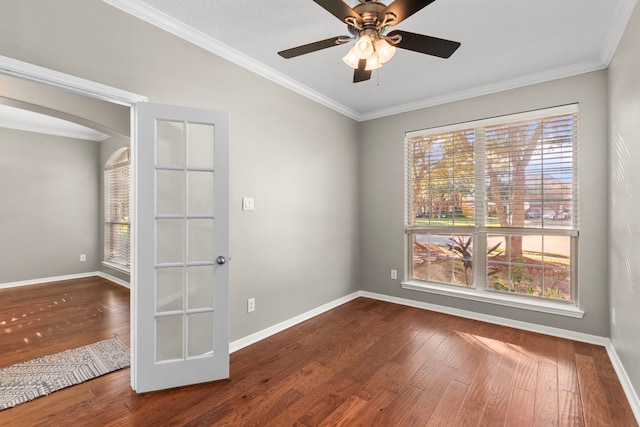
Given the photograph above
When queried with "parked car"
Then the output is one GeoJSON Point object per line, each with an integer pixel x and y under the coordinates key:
{"type": "Point", "coordinates": [532, 213]}
{"type": "Point", "coordinates": [556, 215]}
{"type": "Point", "coordinates": [423, 213]}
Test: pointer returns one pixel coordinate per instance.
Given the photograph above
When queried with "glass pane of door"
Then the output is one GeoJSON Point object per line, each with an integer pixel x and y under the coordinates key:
{"type": "Point", "coordinates": [185, 240]}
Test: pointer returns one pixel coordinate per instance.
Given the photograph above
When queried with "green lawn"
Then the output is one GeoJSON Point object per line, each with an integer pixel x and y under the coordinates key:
{"type": "Point", "coordinates": [459, 220]}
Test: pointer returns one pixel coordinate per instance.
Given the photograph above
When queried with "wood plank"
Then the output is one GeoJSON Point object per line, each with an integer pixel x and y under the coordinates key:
{"type": "Point", "coordinates": [527, 375]}
{"type": "Point", "coordinates": [545, 411]}
{"type": "Point", "coordinates": [396, 409]}
{"type": "Point", "coordinates": [422, 410]}
{"type": "Point", "coordinates": [520, 408]}
{"type": "Point", "coordinates": [570, 409]}
{"type": "Point", "coordinates": [345, 414]}
{"type": "Point", "coordinates": [567, 374]}
{"type": "Point", "coordinates": [548, 349]}
{"type": "Point", "coordinates": [594, 397]}
{"type": "Point", "coordinates": [450, 404]}
{"type": "Point", "coordinates": [481, 386]}
{"type": "Point", "coordinates": [326, 403]}
{"type": "Point", "coordinates": [619, 408]}
{"type": "Point", "coordinates": [497, 406]}
{"type": "Point", "coordinates": [469, 415]}
{"type": "Point", "coordinates": [262, 405]}
{"type": "Point", "coordinates": [383, 378]}
{"type": "Point", "coordinates": [434, 377]}
{"type": "Point", "coordinates": [367, 415]}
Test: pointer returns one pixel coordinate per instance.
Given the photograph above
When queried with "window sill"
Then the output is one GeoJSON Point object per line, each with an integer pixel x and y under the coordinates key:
{"type": "Point", "coordinates": [117, 267]}
{"type": "Point", "coordinates": [558, 308]}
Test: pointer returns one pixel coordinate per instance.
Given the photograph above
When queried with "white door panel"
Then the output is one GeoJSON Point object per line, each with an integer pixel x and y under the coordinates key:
{"type": "Point", "coordinates": [181, 278]}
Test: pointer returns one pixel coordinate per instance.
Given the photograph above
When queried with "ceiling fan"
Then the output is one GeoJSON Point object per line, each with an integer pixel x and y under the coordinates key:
{"type": "Point", "coordinates": [368, 23]}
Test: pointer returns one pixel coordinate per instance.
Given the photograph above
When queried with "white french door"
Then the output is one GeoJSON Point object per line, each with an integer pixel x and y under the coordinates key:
{"type": "Point", "coordinates": [180, 300]}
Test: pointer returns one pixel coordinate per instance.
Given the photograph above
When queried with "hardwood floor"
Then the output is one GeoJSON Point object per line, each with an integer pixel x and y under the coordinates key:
{"type": "Point", "coordinates": [47, 318]}
{"type": "Point", "coordinates": [364, 363]}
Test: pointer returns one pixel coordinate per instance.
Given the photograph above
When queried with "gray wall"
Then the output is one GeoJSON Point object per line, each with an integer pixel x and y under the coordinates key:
{"type": "Point", "coordinates": [106, 117]}
{"type": "Point", "coordinates": [299, 249]}
{"type": "Point", "coordinates": [49, 210]}
{"type": "Point", "coordinates": [624, 201]}
{"type": "Point", "coordinates": [382, 185]}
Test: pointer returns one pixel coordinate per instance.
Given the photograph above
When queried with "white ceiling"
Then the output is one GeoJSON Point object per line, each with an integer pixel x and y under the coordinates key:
{"type": "Point", "coordinates": [505, 44]}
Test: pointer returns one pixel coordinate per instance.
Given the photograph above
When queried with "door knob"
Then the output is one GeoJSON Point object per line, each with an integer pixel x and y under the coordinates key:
{"type": "Point", "coordinates": [221, 260]}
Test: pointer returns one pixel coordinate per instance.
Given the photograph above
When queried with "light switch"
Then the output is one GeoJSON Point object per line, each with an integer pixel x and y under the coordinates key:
{"type": "Point", "coordinates": [248, 204]}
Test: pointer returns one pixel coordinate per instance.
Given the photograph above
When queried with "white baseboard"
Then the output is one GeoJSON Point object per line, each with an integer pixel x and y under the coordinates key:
{"type": "Point", "coordinates": [272, 330]}
{"type": "Point", "coordinates": [47, 279]}
{"type": "Point", "coordinates": [113, 279]}
{"type": "Point", "coordinates": [531, 327]}
{"type": "Point", "coordinates": [625, 381]}
{"type": "Point", "coordinates": [67, 277]}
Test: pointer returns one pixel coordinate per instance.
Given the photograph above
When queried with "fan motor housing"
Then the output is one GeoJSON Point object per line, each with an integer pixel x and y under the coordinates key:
{"type": "Point", "coordinates": [370, 12]}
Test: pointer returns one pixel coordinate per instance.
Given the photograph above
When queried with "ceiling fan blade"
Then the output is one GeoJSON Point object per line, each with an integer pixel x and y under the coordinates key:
{"type": "Point", "coordinates": [338, 8]}
{"type": "Point", "coordinates": [360, 74]}
{"type": "Point", "coordinates": [404, 9]}
{"type": "Point", "coordinates": [426, 44]}
{"type": "Point", "coordinates": [312, 47]}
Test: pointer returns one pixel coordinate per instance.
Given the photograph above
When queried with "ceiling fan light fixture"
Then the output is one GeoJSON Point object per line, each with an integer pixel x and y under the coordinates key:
{"type": "Point", "coordinates": [367, 23]}
{"type": "Point", "coordinates": [384, 49]}
{"type": "Point", "coordinates": [351, 59]}
{"type": "Point", "coordinates": [363, 47]}
{"type": "Point", "coordinates": [373, 62]}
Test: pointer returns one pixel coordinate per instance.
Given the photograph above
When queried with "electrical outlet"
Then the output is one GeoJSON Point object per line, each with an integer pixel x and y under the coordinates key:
{"type": "Point", "coordinates": [251, 305]}
{"type": "Point", "coordinates": [394, 274]}
{"type": "Point", "coordinates": [83, 257]}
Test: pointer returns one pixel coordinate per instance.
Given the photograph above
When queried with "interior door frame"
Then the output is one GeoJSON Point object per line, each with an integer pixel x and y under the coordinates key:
{"type": "Point", "coordinates": [79, 86]}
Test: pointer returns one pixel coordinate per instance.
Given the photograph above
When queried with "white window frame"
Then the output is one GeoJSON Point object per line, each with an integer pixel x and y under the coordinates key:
{"type": "Point", "coordinates": [111, 165]}
{"type": "Point", "coordinates": [479, 290]}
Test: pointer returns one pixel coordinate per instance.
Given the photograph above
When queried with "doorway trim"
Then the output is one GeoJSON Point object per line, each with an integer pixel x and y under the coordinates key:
{"type": "Point", "coordinates": [23, 70]}
{"type": "Point", "coordinates": [77, 85]}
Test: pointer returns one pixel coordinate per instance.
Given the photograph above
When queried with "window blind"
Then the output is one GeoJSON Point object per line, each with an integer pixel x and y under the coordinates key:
{"type": "Point", "coordinates": [496, 172]}
{"type": "Point", "coordinates": [530, 172]}
{"type": "Point", "coordinates": [441, 176]}
{"type": "Point", "coordinates": [117, 248]}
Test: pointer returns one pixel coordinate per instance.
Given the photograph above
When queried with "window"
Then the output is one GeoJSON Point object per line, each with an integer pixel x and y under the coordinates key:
{"type": "Point", "coordinates": [116, 211]}
{"type": "Point", "coordinates": [492, 206]}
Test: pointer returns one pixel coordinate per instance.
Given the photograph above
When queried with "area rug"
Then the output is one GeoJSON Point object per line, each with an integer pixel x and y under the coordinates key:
{"type": "Point", "coordinates": [28, 380]}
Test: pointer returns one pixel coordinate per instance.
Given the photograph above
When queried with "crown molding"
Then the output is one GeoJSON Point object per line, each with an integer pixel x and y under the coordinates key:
{"type": "Point", "coordinates": [487, 89]}
{"type": "Point", "coordinates": [616, 31]}
{"type": "Point", "coordinates": [167, 23]}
